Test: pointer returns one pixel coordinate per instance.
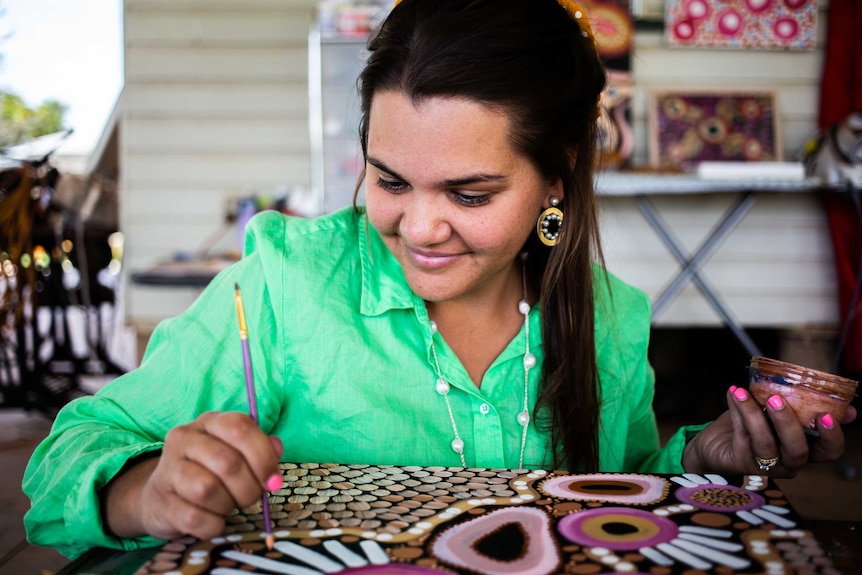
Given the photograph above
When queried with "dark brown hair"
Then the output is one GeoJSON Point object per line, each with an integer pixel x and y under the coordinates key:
{"type": "Point", "coordinates": [529, 58]}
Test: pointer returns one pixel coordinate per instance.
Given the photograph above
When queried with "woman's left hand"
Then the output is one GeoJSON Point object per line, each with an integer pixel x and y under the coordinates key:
{"type": "Point", "coordinates": [746, 437]}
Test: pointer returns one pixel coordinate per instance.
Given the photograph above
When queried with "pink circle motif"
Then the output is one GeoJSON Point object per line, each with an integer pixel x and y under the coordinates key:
{"type": "Point", "coordinates": [752, 150]}
{"type": "Point", "coordinates": [684, 30]}
{"type": "Point", "coordinates": [617, 528]}
{"type": "Point", "coordinates": [751, 109]}
{"type": "Point", "coordinates": [795, 4]}
{"type": "Point", "coordinates": [740, 500]}
{"type": "Point", "coordinates": [758, 5]}
{"type": "Point", "coordinates": [730, 22]}
{"type": "Point", "coordinates": [786, 28]}
{"type": "Point", "coordinates": [697, 9]}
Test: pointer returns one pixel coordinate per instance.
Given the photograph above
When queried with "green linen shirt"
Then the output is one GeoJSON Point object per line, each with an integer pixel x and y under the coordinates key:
{"type": "Point", "coordinates": [342, 358]}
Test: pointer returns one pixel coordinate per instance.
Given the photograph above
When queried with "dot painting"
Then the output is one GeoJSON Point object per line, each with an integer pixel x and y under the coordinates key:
{"type": "Point", "coordinates": [690, 126]}
{"type": "Point", "coordinates": [387, 520]}
{"type": "Point", "coordinates": [769, 24]}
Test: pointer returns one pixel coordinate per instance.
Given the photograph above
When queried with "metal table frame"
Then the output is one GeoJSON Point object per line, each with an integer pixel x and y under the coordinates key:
{"type": "Point", "coordinates": [642, 186]}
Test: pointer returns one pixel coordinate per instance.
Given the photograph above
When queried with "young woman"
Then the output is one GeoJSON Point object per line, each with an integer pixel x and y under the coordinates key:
{"type": "Point", "coordinates": [462, 318]}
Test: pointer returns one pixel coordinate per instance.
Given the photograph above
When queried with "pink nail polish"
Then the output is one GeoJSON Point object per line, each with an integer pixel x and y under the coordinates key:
{"type": "Point", "coordinates": [273, 483]}
{"type": "Point", "coordinates": [775, 402]}
{"type": "Point", "coordinates": [733, 388]}
{"type": "Point", "coordinates": [740, 394]}
{"type": "Point", "coordinates": [827, 421]}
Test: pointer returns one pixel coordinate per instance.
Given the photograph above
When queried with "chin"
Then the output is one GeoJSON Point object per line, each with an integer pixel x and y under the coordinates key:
{"type": "Point", "coordinates": [438, 289]}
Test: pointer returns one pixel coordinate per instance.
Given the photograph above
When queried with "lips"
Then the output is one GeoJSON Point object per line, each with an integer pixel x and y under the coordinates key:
{"type": "Point", "coordinates": [430, 260]}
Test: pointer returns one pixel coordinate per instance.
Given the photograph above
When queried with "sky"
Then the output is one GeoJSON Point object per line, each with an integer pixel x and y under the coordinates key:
{"type": "Point", "coordinates": [65, 50]}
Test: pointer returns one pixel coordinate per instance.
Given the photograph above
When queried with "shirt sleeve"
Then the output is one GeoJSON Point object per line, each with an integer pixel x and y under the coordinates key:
{"type": "Point", "coordinates": [193, 364]}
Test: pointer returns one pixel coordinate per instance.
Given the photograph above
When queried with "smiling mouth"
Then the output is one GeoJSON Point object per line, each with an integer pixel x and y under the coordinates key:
{"type": "Point", "coordinates": [431, 260]}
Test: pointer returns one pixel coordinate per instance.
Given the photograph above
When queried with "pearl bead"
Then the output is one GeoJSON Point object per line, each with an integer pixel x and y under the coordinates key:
{"type": "Point", "coordinates": [524, 418]}
{"type": "Point", "coordinates": [523, 307]}
{"type": "Point", "coordinates": [457, 445]}
{"type": "Point", "coordinates": [442, 386]}
{"type": "Point", "coordinates": [433, 327]}
{"type": "Point", "coordinates": [554, 201]}
{"type": "Point", "coordinates": [529, 360]}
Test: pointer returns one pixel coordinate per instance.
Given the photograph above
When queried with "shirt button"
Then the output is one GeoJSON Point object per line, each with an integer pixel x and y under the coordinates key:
{"type": "Point", "coordinates": [485, 409]}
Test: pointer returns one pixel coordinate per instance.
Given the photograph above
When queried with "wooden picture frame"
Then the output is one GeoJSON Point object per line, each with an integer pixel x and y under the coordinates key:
{"type": "Point", "coordinates": [688, 126]}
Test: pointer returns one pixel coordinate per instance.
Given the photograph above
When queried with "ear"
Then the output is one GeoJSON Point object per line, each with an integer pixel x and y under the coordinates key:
{"type": "Point", "coordinates": [555, 187]}
{"type": "Point", "coordinates": [554, 190]}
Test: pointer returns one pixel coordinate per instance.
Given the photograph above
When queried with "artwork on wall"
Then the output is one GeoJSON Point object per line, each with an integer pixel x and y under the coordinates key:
{"type": "Point", "coordinates": [775, 24]}
{"type": "Point", "coordinates": [690, 126]}
{"type": "Point", "coordinates": [387, 520]}
{"type": "Point", "coordinates": [613, 29]}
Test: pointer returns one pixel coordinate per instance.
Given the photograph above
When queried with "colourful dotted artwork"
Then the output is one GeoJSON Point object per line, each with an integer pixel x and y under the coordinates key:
{"type": "Point", "coordinates": [383, 520]}
{"type": "Point", "coordinates": [776, 24]}
{"type": "Point", "coordinates": [689, 127]}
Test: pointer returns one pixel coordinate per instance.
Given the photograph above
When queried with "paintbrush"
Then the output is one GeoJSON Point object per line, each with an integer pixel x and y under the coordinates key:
{"type": "Point", "coordinates": [252, 403]}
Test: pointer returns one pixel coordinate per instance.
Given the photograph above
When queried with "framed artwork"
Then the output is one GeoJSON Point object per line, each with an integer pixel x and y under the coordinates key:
{"type": "Point", "coordinates": [614, 31]}
{"type": "Point", "coordinates": [387, 520]}
{"type": "Point", "coordinates": [768, 24]}
{"type": "Point", "coordinates": [690, 126]}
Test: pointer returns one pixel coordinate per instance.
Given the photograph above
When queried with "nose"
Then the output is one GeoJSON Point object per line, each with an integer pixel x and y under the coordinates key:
{"type": "Point", "coordinates": [424, 221]}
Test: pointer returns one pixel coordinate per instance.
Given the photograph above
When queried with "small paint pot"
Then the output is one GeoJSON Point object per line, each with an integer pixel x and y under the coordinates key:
{"type": "Point", "coordinates": [808, 391]}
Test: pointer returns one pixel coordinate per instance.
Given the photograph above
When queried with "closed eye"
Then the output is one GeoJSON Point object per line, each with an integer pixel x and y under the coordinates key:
{"type": "Point", "coordinates": [394, 186]}
{"type": "Point", "coordinates": [470, 201]}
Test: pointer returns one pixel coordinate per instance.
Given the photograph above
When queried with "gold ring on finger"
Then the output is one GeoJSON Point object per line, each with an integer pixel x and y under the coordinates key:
{"type": "Point", "coordinates": [766, 464]}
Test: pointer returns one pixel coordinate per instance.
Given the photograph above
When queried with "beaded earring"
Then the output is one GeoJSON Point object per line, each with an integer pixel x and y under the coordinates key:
{"type": "Point", "coordinates": [550, 224]}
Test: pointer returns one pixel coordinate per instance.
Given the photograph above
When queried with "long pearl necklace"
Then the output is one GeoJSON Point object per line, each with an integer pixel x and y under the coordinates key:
{"type": "Point", "coordinates": [529, 362]}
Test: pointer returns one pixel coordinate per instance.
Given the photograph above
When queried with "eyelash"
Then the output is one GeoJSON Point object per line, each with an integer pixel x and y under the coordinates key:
{"type": "Point", "coordinates": [472, 201]}
{"type": "Point", "coordinates": [394, 187]}
{"type": "Point", "coordinates": [463, 199]}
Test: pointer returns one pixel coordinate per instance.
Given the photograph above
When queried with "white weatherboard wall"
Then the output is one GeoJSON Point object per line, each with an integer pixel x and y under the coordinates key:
{"type": "Point", "coordinates": [215, 103]}
{"type": "Point", "coordinates": [215, 106]}
{"type": "Point", "coordinates": [776, 269]}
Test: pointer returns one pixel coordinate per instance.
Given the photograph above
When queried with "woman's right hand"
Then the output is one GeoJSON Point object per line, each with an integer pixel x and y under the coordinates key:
{"type": "Point", "coordinates": [220, 461]}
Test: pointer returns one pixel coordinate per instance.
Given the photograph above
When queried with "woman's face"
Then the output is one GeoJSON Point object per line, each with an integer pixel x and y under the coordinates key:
{"type": "Point", "coordinates": [453, 201]}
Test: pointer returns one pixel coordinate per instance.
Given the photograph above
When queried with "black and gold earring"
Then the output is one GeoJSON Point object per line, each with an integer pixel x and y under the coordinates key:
{"type": "Point", "coordinates": [550, 224]}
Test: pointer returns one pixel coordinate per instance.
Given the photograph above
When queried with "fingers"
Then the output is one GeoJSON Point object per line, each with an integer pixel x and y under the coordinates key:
{"type": "Point", "coordinates": [830, 445]}
{"type": "Point", "coordinates": [850, 416]}
{"type": "Point", "coordinates": [241, 455]}
{"type": "Point", "coordinates": [183, 518]}
{"type": "Point", "coordinates": [277, 446]}
{"type": "Point", "coordinates": [748, 431]}
{"type": "Point", "coordinates": [791, 436]}
{"type": "Point", "coordinates": [201, 488]}
{"type": "Point", "coordinates": [761, 440]}
{"type": "Point", "coordinates": [207, 468]}
{"type": "Point", "coordinates": [778, 433]}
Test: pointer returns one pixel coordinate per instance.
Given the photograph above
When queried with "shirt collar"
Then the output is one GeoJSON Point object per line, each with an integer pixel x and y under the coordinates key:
{"type": "Point", "coordinates": [384, 286]}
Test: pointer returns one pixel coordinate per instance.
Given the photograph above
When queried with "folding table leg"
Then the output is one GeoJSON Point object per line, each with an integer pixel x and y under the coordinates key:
{"type": "Point", "coordinates": [690, 265]}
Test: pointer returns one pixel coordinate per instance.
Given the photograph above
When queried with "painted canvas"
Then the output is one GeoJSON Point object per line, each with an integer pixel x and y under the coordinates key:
{"type": "Point", "coordinates": [768, 24]}
{"type": "Point", "coordinates": [694, 126]}
{"type": "Point", "coordinates": [384, 520]}
{"type": "Point", "coordinates": [613, 29]}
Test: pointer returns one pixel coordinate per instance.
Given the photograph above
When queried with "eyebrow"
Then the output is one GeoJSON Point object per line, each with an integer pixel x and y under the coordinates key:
{"type": "Point", "coordinates": [450, 183]}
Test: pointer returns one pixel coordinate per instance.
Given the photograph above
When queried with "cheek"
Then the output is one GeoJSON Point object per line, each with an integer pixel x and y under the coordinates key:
{"type": "Point", "coordinates": [381, 210]}
{"type": "Point", "coordinates": [504, 238]}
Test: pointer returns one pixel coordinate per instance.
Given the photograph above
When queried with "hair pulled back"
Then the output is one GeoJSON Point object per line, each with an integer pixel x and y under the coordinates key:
{"type": "Point", "coordinates": [529, 59]}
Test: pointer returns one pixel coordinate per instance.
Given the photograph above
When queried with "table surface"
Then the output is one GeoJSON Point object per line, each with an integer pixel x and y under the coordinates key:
{"type": "Point", "coordinates": [655, 183]}
{"type": "Point", "coordinates": [197, 272]}
{"type": "Point", "coordinates": [383, 520]}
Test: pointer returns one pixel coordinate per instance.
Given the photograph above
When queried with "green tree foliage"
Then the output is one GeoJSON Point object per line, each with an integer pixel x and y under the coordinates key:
{"type": "Point", "coordinates": [19, 123]}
